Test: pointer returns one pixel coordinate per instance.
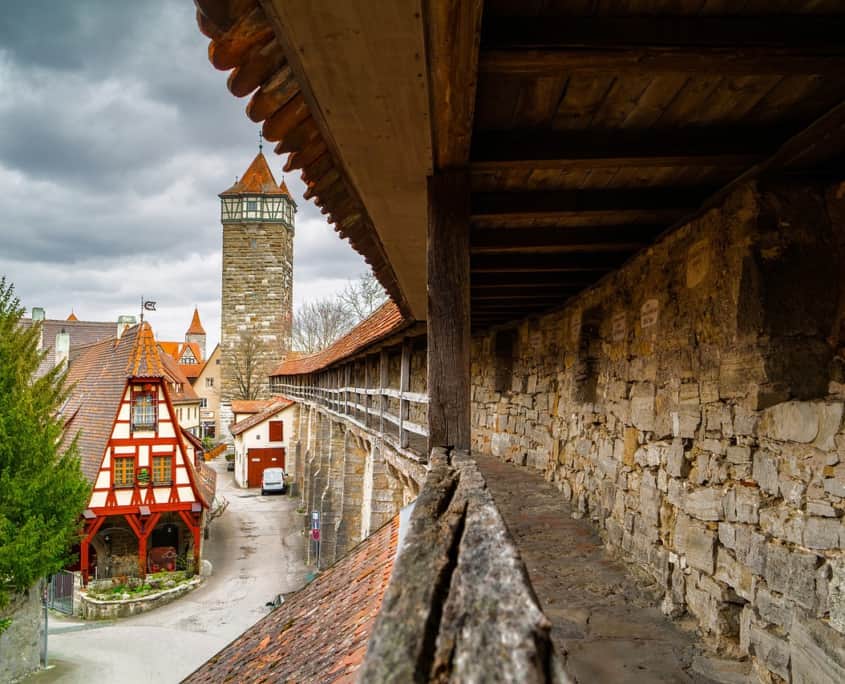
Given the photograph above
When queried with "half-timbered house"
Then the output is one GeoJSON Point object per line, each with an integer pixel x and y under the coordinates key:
{"type": "Point", "coordinates": [146, 488]}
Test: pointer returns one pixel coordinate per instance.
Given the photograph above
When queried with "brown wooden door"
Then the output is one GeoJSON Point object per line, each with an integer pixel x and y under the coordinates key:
{"type": "Point", "coordinates": [259, 459]}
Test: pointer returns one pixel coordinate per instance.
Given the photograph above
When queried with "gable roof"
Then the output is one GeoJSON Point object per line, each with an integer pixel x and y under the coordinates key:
{"type": "Point", "coordinates": [196, 327]}
{"type": "Point", "coordinates": [320, 632]}
{"type": "Point", "coordinates": [384, 321]}
{"type": "Point", "coordinates": [274, 408]}
{"type": "Point", "coordinates": [258, 178]}
{"type": "Point", "coordinates": [81, 333]}
{"type": "Point", "coordinates": [72, 316]}
{"type": "Point", "coordinates": [97, 375]}
{"type": "Point", "coordinates": [173, 372]}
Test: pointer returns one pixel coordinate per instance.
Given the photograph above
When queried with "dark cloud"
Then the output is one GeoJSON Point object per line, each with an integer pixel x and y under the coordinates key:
{"type": "Point", "coordinates": [116, 135]}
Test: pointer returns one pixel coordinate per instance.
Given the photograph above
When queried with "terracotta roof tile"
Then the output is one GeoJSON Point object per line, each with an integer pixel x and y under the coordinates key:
{"type": "Point", "coordinates": [269, 412]}
{"type": "Point", "coordinates": [196, 327]}
{"type": "Point", "coordinates": [145, 361]}
{"type": "Point", "coordinates": [258, 178]}
{"type": "Point", "coordinates": [81, 333]}
{"type": "Point", "coordinates": [386, 320]}
{"type": "Point", "coordinates": [320, 633]}
{"type": "Point", "coordinates": [250, 405]}
{"type": "Point", "coordinates": [173, 372]}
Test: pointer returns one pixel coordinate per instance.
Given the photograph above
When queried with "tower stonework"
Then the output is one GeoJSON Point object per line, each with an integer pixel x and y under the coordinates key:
{"type": "Point", "coordinates": [257, 284]}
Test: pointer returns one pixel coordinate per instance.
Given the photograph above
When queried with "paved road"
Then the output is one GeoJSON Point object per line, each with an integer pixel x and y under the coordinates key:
{"type": "Point", "coordinates": [256, 551]}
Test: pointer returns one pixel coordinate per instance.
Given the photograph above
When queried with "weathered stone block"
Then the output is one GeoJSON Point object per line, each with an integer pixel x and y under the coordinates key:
{"type": "Point", "coordinates": [685, 421]}
{"type": "Point", "coordinates": [822, 508]}
{"type": "Point", "coordinates": [696, 542]}
{"type": "Point", "coordinates": [750, 548]}
{"type": "Point", "coordinates": [792, 573]}
{"type": "Point", "coordinates": [773, 608]}
{"type": "Point", "coordinates": [817, 652]}
{"type": "Point", "coordinates": [765, 471]}
{"type": "Point", "coordinates": [642, 405]}
{"type": "Point", "coordinates": [792, 421]}
{"type": "Point", "coordinates": [830, 420]}
{"type": "Point", "coordinates": [821, 533]}
{"type": "Point", "coordinates": [733, 573]}
{"type": "Point", "coordinates": [676, 464]}
{"type": "Point", "coordinates": [739, 454]}
{"type": "Point", "coordinates": [770, 650]}
{"type": "Point", "coordinates": [704, 504]}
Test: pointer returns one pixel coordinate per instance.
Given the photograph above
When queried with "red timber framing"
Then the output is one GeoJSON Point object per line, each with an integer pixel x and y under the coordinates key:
{"type": "Point", "coordinates": [142, 509]}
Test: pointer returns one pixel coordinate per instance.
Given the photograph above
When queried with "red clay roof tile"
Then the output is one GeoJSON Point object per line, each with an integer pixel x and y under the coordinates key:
{"type": "Point", "coordinates": [384, 321]}
{"type": "Point", "coordinates": [196, 327]}
{"type": "Point", "coordinates": [258, 178]}
{"type": "Point", "coordinates": [317, 635]}
{"type": "Point", "coordinates": [269, 412]}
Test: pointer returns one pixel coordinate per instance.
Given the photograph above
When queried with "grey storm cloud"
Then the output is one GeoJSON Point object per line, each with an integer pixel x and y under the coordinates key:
{"type": "Point", "coordinates": [116, 135]}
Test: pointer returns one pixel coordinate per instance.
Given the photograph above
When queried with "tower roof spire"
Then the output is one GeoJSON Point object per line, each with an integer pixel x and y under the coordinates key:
{"type": "Point", "coordinates": [196, 327]}
{"type": "Point", "coordinates": [257, 179]}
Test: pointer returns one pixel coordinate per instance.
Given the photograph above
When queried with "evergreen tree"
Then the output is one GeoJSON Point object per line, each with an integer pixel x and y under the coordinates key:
{"type": "Point", "coordinates": [42, 490]}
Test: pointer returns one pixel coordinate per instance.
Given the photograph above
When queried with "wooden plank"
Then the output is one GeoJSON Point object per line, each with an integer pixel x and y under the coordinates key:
{"type": "Point", "coordinates": [544, 149]}
{"type": "Point", "coordinates": [548, 263]}
{"type": "Point", "coordinates": [382, 384]}
{"type": "Point", "coordinates": [719, 45]}
{"type": "Point", "coordinates": [448, 309]}
{"type": "Point", "coordinates": [561, 240]}
{"type": "Point", "coordinates": [453, 33]}
{"type": "Point", "coordinates": [581, 203]}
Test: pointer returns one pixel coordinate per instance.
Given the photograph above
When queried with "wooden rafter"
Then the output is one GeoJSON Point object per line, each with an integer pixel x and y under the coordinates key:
{"type": "Point", "coordinates": [508, 150]}
{"type": "Point", "coordinates": [719, 45]}
{"type": "Point", "coordinates": [659, 203]}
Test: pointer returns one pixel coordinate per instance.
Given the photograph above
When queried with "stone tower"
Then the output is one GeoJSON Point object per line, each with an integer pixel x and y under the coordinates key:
{"type": "Point", "coordinates": [257, 301]}
{"type": "Point", "coordinates": [196, 333]}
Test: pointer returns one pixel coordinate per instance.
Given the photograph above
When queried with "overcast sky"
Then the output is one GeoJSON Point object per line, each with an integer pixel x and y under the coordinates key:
{"type": "Point", "coordinates": [116, 136]}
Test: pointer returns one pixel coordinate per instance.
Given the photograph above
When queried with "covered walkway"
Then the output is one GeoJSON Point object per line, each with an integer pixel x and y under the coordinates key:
{"type": "Point", "coordinates": [606, 624]}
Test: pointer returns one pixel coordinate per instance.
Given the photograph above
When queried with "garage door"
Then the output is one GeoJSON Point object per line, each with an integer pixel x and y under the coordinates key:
{"type": "Point", "coordinates": [259, 459]}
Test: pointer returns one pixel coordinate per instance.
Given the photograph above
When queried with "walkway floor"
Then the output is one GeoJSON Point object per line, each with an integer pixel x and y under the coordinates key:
{"type": "Point", "coordinates": [604, 626]}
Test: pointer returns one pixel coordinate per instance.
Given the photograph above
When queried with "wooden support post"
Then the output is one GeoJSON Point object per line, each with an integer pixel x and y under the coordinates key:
{"type": "Point", "coordinates": [90, 533]}
{"type": "Point", "coordinates": [448, 309]}
{"type": "Point", "coordinates": [347, 381]}
{"type": "Point", "coordinates": [366, 395]}
{"type": "Point", "coordinates": [383, 381]}
{"type": "Point", "coordinates": [404, 386]}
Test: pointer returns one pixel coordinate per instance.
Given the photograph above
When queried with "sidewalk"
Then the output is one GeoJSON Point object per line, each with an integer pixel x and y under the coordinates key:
{"type": "Point", "coordinates": [605, 628]}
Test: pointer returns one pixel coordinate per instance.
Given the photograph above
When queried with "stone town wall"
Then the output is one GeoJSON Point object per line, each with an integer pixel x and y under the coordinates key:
{"type": "Point", "coordinates": [20, 641]}
{"type": "Point", "coordinates": [355, 480]}
{"type": "Point", "coordinates": [257, 302]}
{"type": "Point", "coordinates": [691, 405]}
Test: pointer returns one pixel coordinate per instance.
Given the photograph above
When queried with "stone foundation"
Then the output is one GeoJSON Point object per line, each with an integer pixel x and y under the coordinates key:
{"type": "Point", "coordinates": [691, 405]}
{"type": "Point", "coordinates": [20, 641]}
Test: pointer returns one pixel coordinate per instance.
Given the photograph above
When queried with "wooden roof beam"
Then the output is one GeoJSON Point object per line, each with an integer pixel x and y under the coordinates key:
{"type": "Point", "coordinates": [782, 44]}
{"type": "Point", "coordinates": [561, 240]}
{"type": "Point", "coordinates": [657, 203]}
{"type": "Point", "coordinates": [567, 150]}
{"type": "Point", "coordinates": [596, 264]}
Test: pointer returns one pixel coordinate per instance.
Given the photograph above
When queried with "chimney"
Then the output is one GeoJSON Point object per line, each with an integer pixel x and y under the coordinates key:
{"type": "Point", "coordinates": [124, 322]}
{"type": "Point", "coordinates": [38, 315]}
{"type": "Point", "coordinates": [62, 348]}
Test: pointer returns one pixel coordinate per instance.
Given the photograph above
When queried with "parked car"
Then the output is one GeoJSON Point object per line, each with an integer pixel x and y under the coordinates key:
{"type": "Point", "coordinates": [273, 480]}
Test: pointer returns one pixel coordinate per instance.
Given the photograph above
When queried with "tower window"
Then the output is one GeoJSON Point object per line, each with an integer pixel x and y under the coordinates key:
{"type": "Point", "coordinates": [253, 243]}
{"type": "Point", "coordinates": [504, 347]}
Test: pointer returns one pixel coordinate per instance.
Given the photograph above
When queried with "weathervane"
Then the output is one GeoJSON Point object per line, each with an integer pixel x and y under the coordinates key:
{"type": "Point", "coordinates": [146, 305]}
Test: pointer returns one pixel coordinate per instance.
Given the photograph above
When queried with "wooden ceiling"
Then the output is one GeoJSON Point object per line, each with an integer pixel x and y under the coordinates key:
{"type": "Point", "coordinates": [589, 127]}
{"type": "Point", "coordinates": [599, 124]}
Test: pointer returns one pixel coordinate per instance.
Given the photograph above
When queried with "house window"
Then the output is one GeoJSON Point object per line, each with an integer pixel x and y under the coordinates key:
{"type": "Point", "coordinates": [124, 471]}
{"type": "Point", "coordinates": [209, 382]}
{"type": "Point", "coordinates": [144, 411]}
{"type": "Point", "coordinates": [162, 470]}
{"type": "Point", "coordinates": [276, 430]}
{"type": "Point", "coordinates": [203, 402]}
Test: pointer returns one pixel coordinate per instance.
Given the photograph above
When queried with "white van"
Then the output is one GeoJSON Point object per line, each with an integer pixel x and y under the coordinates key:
{"type": "Point", "coordinates": [273, 480]}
